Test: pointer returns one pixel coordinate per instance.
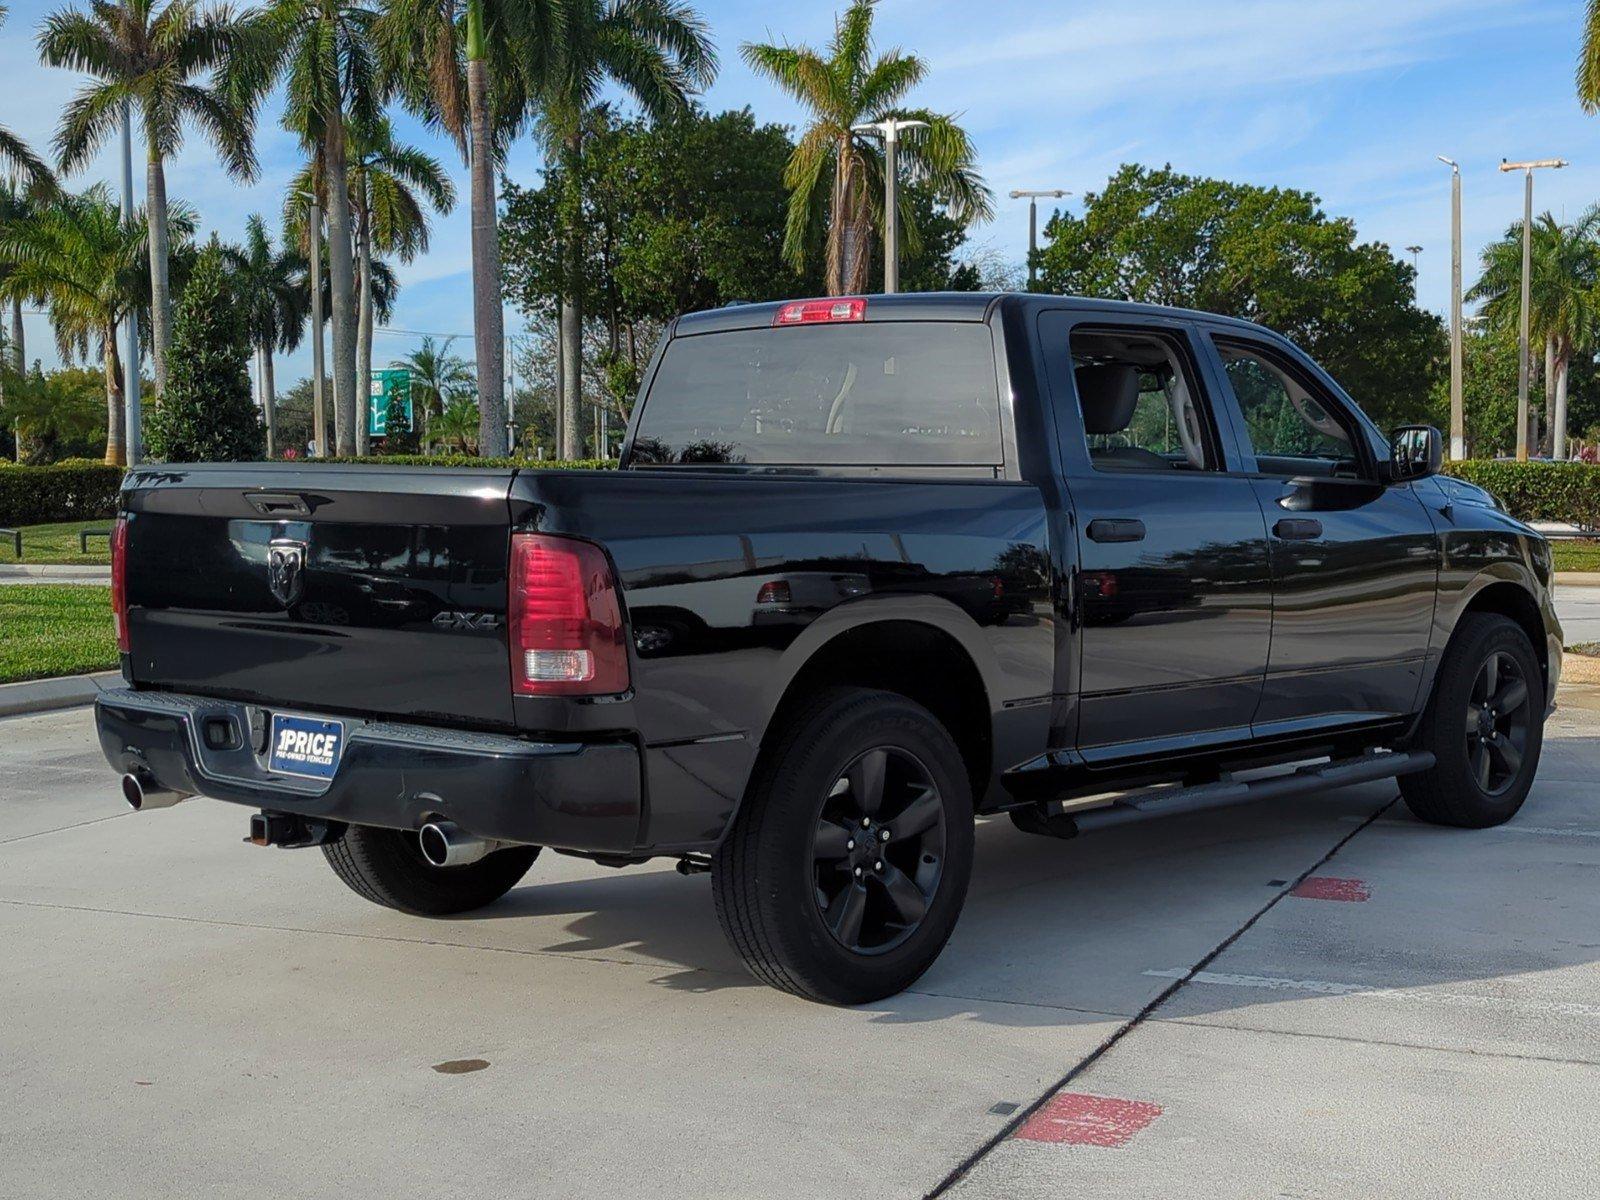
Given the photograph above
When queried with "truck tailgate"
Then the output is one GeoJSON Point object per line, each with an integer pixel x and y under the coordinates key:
{"type": "Point", "coordinates": [367, 590]}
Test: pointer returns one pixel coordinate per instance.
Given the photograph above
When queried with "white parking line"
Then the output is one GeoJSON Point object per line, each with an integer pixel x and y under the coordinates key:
{"type": "Point", "coordinates": [1324, 987]}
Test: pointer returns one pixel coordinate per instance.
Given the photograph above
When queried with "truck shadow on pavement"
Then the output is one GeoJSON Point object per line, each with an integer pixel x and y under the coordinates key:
{"type": "Point", "coordinates": [1081, 931]}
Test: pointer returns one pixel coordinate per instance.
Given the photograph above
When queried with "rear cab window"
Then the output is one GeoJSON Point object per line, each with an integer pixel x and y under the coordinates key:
{"type": "Point", "coordinates": [883, 393]}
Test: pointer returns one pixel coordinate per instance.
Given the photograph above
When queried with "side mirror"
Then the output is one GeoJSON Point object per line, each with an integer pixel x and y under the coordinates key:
{"type": "Point", "coordinates": [1415, 452]}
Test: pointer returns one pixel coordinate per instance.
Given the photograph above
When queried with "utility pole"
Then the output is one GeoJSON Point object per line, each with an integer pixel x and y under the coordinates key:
{"type": "Point", "coordinates": [1033, 225]}
{"type": "Point", "coordinates": [1527, 168]}
{"type": "Point", "coordinates": [1458, 416]}
{"type": "Point", "coordinates": [319, 420]}
{"type": "Point", "coordinates": [889, 131]}
{"type": "Point", "coordinates": [132, 409]}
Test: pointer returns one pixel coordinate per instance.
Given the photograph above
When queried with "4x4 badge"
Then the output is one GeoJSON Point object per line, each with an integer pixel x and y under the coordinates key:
{"type": "Point", "coordinates": [286, 570]}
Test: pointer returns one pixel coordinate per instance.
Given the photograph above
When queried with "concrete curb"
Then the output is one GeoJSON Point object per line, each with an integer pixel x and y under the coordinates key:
{"type": "Point", "coordinates": [65, 691]}
{"type": "Point", "coordinates": [54, 573]}
{"type": "Point", "coordinates": [1577, 578]}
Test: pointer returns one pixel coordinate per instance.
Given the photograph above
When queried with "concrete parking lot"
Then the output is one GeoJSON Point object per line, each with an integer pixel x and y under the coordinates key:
{"type": "Point", "coordinates": [186, 1015]}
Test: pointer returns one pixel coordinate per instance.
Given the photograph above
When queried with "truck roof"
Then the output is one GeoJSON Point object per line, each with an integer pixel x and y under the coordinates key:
{"type": "Point", "coordinates": [936, 306]}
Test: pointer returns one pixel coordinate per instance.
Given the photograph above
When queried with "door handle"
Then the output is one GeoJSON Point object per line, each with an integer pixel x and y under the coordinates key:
{"type": "Point", "coordinates": [278, 504]}
{"type": "Point", "coordinates": [1116, 529]}
{"type": "Point", "coordinates": [1298, 529]}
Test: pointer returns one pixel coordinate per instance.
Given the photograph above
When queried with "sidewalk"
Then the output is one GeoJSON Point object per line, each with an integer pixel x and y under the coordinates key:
{"type": "Point", "coordinates": [47, 573]}
{"type": "Point", "coordinates": [64, 691]}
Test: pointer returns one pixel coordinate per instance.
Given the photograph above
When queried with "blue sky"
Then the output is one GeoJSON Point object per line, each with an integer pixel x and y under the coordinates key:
{"type": "Point", "coordinates": [1350, 99]}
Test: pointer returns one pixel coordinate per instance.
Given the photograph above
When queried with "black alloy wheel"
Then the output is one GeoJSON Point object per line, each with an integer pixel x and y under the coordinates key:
{"type": "Point", "coordinates": [1499, 718]}
{"type": "Point", "coordinates": [878, 850]}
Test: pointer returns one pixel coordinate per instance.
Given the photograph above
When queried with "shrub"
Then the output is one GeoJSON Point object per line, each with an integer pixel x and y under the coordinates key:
{"type": "Point", "coordinates": [469, 460]}
{"type": "Point", "coordinates": [1538, 491]}
{"type": "Point", "coordinates": [206, 413]}
{"type": "Point", "coordinates": [64, 492]}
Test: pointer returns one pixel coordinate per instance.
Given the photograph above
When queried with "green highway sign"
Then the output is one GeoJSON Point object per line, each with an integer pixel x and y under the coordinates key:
{"type": "Point", "coordinates": [389, 400]}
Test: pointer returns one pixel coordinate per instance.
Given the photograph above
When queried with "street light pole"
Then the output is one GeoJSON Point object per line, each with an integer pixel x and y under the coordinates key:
{"type": "Point", "coordinates": [1415, 252]}
{"type": "Point", "coordinates": [889, 131]}
{"type": "Point", "coordinates": [1033, 225]}
{"type": "Point", "coordinates": [1458, 422]}
{"type": "Point", "coordinates": [319, 420]}
{"type": "Point", "coordinates": [1527, 168]}
{"type": "Point", "coordinates": [132, 409]}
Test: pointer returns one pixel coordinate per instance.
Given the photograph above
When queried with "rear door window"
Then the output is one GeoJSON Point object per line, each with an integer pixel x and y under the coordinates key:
{"type": "Point", "coordinates": [907, 393]}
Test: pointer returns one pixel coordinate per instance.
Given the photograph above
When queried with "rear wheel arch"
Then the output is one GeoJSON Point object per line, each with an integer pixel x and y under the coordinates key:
{"type": "Point", "coordinates": [924, 662]}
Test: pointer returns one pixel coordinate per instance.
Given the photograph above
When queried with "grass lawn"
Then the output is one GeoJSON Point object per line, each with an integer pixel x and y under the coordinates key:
{"type": "Point", "coordinates": [1576, 556]}
{"type": "Point", "coordinates": [55, 629]}
{"type": "Point", "coordinates": [58, 544]}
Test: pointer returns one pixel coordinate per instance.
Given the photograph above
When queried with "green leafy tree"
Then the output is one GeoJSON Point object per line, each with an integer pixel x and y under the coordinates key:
{"type": "Point", "coordinates": [1564, 293]}
{"type": "Point", "coordinates": [270, 284]}
{"type": "Point", "coordinates": [836, 174]}
{"type": "Point", "coordinates": [658, 53]}
{"type": "Point", "coordinates": [675, 215]}
{"type": "Point", "coordinates": [90, 269]}
{"type": "Point", "coordinates": [55, 414]}
{"type": "Point", "coordinates": [1269, 255]}
{"type": "Point", "coordinates": [149, 54]}
{"type": "Point", "coordinates": [457, 425]}
{"type": "Point", "coordinates": [207, 414]}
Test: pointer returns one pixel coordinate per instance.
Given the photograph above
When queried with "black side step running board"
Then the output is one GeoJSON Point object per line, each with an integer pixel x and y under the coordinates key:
{"type": "Point", "coordinates": [1052, 819]}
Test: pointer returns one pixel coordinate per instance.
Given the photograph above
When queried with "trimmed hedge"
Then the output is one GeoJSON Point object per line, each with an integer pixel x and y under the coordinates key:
{"type": "Point", "coordinates": [1538, 491]}
{"type": "Point", "coordinates": [75, 491]}
{"type": "Point", "coordinates": [467, 460]}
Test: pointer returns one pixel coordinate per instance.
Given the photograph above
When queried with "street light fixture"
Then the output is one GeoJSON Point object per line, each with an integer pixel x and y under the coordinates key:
{"type": "Point", "coordinates": [1458, 422]}
{"type": "Point", "coordinates": [319, 420]}
{"type": "Point", "coordinates": [889, 130]}
{"type": "Point", "coordinates": [1414, 251]}
{"type": "Point", "coordinates": [1527, 168]}
{"type": "Point", "coordinates": [1033, 224]}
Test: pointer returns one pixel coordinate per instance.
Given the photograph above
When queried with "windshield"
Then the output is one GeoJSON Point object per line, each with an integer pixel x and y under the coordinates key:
{"type": "Point", "coordinates": [909, 393]}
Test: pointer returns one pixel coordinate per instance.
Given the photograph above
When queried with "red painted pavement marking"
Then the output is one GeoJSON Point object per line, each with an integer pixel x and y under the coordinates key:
{"type": "Point", "coordinates": [1327, 887]}
{"type": "Point", "coordinates": [1079, 1119]}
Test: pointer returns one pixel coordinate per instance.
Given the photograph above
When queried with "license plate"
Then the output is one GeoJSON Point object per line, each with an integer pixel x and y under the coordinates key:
{"type": "Point", "coordinates": [307, 746]}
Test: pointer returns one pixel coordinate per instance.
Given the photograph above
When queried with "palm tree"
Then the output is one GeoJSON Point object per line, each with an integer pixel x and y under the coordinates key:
{"type": "Point", "coordinates": [657, 51]}
{"type": "Point", "coordinates": [457, 426]}
{"type": "Point", "coordinates": [148, 54]}
{"type": "Point", "coordinates": [1564, 294]}
{"type": "Point", "coordinates": [323, 51]}
{"type": "Point", "coordinates": [16, 205]}
{"type": "Point", "coordinates": [465, 66]}
{"type": "Point", "coordinates": [846, 89]}
{"type": "Point", "coordinates": [88, 267]}
{"type": "Point", "coordinates": [17, 159]}
{"type": "Point", "coordinates": [391, 187]}
{"type": "Point", "coordinates": [437, 379]}
{"type": "Point", "coordinates": [1588, 80]}
{"type": "Point", "coordinates": [271, 282]}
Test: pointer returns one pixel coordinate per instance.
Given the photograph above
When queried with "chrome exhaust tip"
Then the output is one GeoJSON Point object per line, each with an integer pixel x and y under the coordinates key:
{"type": "Point", "coordinates": [445, 844]}
{"type": "Point", "coordinates": [141, 791]}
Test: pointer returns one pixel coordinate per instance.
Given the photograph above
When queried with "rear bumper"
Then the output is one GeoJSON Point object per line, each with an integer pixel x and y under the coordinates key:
{"type": "Point", "coordinates": [570, 795]}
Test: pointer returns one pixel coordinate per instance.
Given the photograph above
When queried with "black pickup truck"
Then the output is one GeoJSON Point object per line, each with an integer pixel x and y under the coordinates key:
{"type": "Point", "coordinates": [869, 567]}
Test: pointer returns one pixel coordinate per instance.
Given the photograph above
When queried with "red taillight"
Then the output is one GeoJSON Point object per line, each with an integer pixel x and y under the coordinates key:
{"type": "Point", "coordinates": [564, 621]}
{"type": "Point", "coordinates": [774, 591]}
{"type": "Point", "coordinates": [820, 312]}
{"type": "Point", "coordinates": [119, 581]}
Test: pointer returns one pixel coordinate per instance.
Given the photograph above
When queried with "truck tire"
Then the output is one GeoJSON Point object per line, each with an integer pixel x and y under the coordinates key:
{"type": "Point", "coordinates": [847, 865]}
{"type": "Point", "coordinates": [386, 866]}
{"type": "Point", "coordinates": [1484, 725]}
